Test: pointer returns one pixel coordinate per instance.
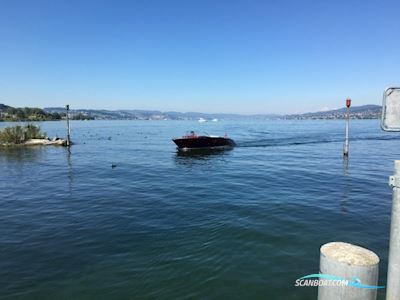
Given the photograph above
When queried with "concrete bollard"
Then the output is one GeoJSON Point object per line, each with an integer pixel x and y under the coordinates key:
{"type": "Point", "coordinates": [393, 281]}
{"type": "Point", "coordinates": [351, 263]}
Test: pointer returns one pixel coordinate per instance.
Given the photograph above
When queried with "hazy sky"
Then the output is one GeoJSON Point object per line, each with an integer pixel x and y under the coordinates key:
{"type": "Point", "coordinates": [209, 56]}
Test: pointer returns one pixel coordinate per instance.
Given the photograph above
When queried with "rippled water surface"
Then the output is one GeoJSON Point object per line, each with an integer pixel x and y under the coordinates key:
{"type": "Point", "coordinates": [239, 224]}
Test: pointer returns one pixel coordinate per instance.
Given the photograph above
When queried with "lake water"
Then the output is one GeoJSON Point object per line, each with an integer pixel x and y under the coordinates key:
{"type": "Point", "coordinates": [239, 224]}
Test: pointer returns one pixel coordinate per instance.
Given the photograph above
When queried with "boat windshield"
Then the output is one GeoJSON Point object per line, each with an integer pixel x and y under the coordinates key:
{"type": "Point", "coordinates": [190, 134]}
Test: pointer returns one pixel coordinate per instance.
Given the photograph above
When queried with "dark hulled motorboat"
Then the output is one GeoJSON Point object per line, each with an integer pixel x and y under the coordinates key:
{"type": "Point", "coordinates": [196, 142]}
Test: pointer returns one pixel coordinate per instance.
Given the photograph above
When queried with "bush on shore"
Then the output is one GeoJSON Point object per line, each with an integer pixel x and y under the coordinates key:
{"type": "Point", "coordinates": [19, 134]}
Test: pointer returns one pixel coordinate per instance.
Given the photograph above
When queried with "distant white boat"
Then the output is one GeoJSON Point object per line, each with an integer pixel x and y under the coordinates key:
{"type": "Point", "coordinates": [202, 120]}
{"type": "Point", "coordinates": [215, 120]}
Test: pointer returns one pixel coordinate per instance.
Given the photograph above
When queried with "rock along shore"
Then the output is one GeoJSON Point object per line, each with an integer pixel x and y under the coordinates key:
{"type": "Point", "coordinates": [39, 142]}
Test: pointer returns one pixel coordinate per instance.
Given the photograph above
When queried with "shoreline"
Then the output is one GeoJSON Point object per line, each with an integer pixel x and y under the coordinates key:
{"type": "Point", "coordinates": [37, 142]}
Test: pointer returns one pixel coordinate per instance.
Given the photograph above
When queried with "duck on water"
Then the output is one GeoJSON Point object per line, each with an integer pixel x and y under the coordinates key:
{"type": "Point", "coordinates": [192, 141]}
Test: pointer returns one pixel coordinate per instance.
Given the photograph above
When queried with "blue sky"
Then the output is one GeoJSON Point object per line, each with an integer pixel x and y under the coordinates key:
{"type": "Point", "coordinates": [209, 56]}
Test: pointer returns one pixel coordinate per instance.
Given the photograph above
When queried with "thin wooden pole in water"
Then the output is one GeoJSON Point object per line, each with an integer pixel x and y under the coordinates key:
{"type": "Point", "coordinates": [68, 128]}
{"type": "Point", "coordinates": [346, 142]}
{"type": "Point", "coordinates": [350, 272]}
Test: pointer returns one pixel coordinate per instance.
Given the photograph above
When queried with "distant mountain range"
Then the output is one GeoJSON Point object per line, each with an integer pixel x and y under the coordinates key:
{"type": "Point", "coordinates": [356, 112]}
{"type": "Point", "coordinates": [369, 111]}
{"type": "Point", "coordinates": [154, 114]}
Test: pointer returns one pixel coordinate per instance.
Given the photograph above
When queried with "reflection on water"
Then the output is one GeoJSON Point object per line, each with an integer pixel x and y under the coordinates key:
{"type": "Point", "coordinates": [70, 171]}
{"type": "Point", "coordinates": [347, 185]}
{"type": "Point", "coordinates": [345, 165]}
{"type": "Point", "coordinates": [202, 153]}
{"type": "Point", "coordinates": [21, 154]}
{"type": "Point", "coordinates": [191, 157]}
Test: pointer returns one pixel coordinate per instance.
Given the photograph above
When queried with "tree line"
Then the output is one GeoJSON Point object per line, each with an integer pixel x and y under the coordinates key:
{"type": "Point", "coordinates": [8, 113]}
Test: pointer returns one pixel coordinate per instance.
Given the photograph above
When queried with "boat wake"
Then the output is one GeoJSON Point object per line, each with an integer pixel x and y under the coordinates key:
{"type": "Point", "coordinates": [280, 142]}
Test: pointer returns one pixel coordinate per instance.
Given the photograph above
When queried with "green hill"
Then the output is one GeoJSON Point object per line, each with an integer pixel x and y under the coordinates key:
{"type": "Point", "coordinates": [8, 113]}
